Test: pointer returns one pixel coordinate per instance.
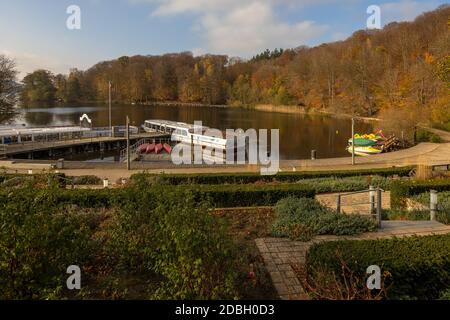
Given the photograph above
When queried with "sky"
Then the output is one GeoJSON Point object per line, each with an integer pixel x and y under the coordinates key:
{"type": "Point", "coordinates": [35, 33]}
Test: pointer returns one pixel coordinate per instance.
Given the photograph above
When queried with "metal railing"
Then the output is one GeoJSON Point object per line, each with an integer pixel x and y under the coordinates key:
{"type": "Point", "coordinates": [3, 151]}
{"type": "Point", "coordinates": [133, 150]}
{"type": "Point", "coordinates": [375, 202]}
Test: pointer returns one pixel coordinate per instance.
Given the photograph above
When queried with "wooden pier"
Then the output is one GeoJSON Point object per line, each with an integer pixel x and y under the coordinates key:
{"type": "Point", "coordinates": [101, 142]}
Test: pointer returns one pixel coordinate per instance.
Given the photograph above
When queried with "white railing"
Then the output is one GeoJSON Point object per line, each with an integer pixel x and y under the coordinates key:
{"type": "Point", "coordinates": [133, 150]}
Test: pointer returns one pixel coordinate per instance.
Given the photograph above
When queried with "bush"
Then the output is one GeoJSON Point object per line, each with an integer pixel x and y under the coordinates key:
{"type": "Point", "coordinates": [301, 219]}
{"type": "Point", "coordinates": [38, 244]}
{"type": "Point", "coordinates": [248, 195]}
{"type": "Point", "coordinates": [170, 234]}
{"type": "Point", "coordinates": [401, 190]}
{"type": "Point", "coordinates": [418, 267]}
{"type": "Point", "coordinates": [86, 180]}
{"type": "Point", "coordinates": [36, 179]}
{"type": "Point", "coordinates": [245, 178]}
{"type": "Point", "coordinates": [426, 136]}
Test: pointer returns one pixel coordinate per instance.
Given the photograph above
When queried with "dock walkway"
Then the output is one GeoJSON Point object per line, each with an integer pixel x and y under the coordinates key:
{"type": "Point", "coordinates": [26, 147]}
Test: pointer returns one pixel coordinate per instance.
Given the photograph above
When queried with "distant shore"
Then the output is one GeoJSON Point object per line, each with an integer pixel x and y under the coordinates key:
{"type": "Point", "coordinates": [304, 110]}
{"type": "Point", "coordinates": [291, 109]}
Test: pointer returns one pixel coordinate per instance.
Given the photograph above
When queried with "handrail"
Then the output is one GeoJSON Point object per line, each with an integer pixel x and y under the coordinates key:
{"type": "Point", "coordinates": [361, 191]}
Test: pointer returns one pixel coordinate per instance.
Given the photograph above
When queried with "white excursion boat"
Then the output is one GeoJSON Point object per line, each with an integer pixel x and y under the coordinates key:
{"type": "Point", "coordinates": [194, 135]}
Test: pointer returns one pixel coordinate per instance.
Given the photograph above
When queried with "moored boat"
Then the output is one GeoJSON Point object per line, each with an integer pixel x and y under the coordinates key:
{"type": "Point", "coordinates": [361, 142]}
{"type": "Point", "coordinates": [158, 148]}
{"type": "Point", "coordinates": [364, 151]}
{"type": "Point", "coordinates": [143, 148]}
{"type": "Point", "coordinates": [167, 148]}
{"type": "Point", "coordinates": [150, 148]}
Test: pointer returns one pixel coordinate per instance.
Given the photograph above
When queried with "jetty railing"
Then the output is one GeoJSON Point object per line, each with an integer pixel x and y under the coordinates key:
{"type": "Point", "coordinates": [3, 151]}
{"type": "Point", "coordinates": [133, 150]}
{"type": "Point", "coordinates": [33, 135]}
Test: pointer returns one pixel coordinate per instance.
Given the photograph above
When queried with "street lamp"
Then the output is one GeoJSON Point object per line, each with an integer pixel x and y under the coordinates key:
{"type": "Point", "coordinates": [109, 104]}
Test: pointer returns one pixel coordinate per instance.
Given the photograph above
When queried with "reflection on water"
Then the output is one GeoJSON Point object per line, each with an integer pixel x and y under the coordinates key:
{"type": "Point", "coordinates": [299, 133]}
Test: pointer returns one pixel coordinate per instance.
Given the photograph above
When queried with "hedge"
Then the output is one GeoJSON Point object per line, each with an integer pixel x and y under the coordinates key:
{"type": "Point", "coordinates": [218, 196]}
{"type": "Point", "coordinates": [401, 190]}
{"type": "Point", "coordinates": [418, 267]}
{"type": "Point", "coordinates": [250, 195]}
{"type": "Point", "coordinates": [244, 178]}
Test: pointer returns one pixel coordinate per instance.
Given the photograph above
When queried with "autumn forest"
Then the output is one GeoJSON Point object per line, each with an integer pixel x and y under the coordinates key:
{"type": "Point", "coordinates": [405, 66]}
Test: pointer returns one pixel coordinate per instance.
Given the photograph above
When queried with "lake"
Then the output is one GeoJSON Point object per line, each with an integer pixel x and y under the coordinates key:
{"type": "Point", "coordinates": [299, 133]}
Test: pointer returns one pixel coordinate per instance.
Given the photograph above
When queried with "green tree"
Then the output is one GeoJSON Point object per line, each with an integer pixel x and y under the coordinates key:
{"type": "Point", "coordinates": [38, 87]}
{"type": "Point", "coordinates": [73, 93]}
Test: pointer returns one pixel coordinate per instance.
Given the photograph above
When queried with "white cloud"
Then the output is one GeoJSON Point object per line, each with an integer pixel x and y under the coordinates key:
{"type": "Point", "coordinates": [241, 27]}
{"type": "Point", "coordinates": [250, 29]}
{"type": "Point", "coordinates": [28, 62]}
{"type": "Point", "coordinates": [405, 10]}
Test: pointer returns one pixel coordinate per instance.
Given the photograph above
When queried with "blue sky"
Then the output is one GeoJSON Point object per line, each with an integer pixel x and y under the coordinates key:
{"type": "Point", "coordinates": [34, 32]}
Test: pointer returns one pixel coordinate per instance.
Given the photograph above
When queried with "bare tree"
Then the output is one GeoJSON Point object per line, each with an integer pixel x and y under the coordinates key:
{"type": "Point", "coordinates": [8, 87]}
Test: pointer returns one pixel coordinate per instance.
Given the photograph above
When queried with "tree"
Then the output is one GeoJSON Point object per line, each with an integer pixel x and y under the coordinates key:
{"type": "Point", "coordinates": [8, 87]}
{"type": "Point", "coordinates": [38, 87]}
{"type": "Point", "coordinates": [73, 93]}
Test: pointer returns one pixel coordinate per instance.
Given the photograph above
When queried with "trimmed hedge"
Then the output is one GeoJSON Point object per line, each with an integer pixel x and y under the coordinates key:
{"type": "Point", "coordinates": [244, 178]}
{"type": "Point", "coordinates": [419, 267]}
{"type": "Point", "coordinates": [219, 196]}
{"type": "Point", "coordinates": [401, 190]}
{"type": "Point", "coordinates": [250, 195]}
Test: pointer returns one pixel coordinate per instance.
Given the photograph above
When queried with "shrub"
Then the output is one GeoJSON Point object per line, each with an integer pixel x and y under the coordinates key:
{"type": "Point", "coordinates": [301, 218]}
{"type": "Point", "coordinates": [172, 235]}
{"type": "Point", "coordinates": [38, 244]}
{"type": "Point", "coordinates": [418, 267]}
{"type": "Point", "coordinates": [249, 195]}
{"type": "Point", "coordinates": [401, 190]}
{"type": "Point", "coordinates": [86, 180]}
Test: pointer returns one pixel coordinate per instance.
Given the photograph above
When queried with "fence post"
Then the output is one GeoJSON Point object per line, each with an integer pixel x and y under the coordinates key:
{"type": "Point", "coordinates": [433, 204]}
{"type": "Point", "coordinates": [372, 200]}
{"type": "Point", "coordinates": [338, 206]}
{"type": "Point", "coordinates": [379, 207]}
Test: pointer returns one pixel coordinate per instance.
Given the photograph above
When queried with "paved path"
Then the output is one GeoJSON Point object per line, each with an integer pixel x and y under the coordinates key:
{"type": "Point", "coordinates": [424, 153]}
{"type": "Point", "coordinates": [280, 254]}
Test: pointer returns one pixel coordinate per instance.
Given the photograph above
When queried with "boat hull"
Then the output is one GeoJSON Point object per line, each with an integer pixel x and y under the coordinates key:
{"type": "Point", "coordinates": [364, 151]}
{"type": "Point", "coordinates": [150, 148]}
{"type": "Point", "coordinates": [158, 148]}
{"type": "Point", "coordinates": [167, 148]}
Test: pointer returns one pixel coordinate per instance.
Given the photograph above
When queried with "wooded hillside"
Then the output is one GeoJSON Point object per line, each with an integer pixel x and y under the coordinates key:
{"type": "Point", "coordinates": [405, 65]}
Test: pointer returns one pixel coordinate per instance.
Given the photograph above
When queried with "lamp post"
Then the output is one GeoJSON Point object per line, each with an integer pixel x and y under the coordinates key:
{"type": "Point", "coordinates": [109, 104]}
{"type": "Point", "coordinates": [353, 141]}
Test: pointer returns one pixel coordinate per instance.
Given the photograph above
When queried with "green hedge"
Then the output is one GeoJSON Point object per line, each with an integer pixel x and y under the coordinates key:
{"type": "Point", "coordinates": [249, 195]}
{"type": "Point", "coordinates": [219, 196]}
{"type": "Point", "coordinates": [419, 267]}
{"type": "Point", "coordinates": [400, 190]}
{"type": "Point", "coordinates": [44, 178]}
{"type": "Point", "coordinates": [244, 178]}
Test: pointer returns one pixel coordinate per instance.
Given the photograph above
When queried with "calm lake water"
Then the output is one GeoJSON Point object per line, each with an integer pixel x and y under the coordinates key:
{"type": "Point", "coordinates": [299, 133]}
